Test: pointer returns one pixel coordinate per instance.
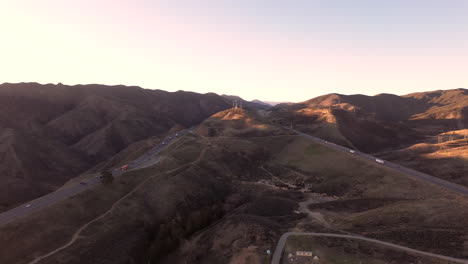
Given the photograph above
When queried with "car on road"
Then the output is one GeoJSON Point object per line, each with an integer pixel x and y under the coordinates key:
{"type": "Point", "coordinates": [124, 168]}
{"type": "Point", "coordinates": [380, 161]}
{"type": "Point", "coordinates": [352, 151]}
{"type": "Point", "coordinates": [28, 205]}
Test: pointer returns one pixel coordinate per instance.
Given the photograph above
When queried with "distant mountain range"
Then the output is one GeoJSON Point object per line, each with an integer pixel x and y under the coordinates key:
{"type": "Point", "coordinates": [391, 125]}
{"type": "Point", "coordinates": [373, 123]}
{"type": "Point", "coordinates": [52, 133]}
{"type": "Point", "coordinates": [225, 191]}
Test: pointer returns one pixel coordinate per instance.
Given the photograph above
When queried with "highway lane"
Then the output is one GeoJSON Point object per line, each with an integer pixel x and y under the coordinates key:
{"type": "Point", "coordinates": [44, 201]}
{"type": "Point", "coordinates": [456, 188]}
{"type": "Point", "coordinates": [66, 192]}
{"type": "Point", "coordinates": [276, 259]}
{"type": "Point", "coordinates": [406, 171]}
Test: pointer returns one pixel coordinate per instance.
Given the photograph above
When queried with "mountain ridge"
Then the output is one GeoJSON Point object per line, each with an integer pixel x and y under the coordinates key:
{"type": "Point", "coordinates": [90, 123]}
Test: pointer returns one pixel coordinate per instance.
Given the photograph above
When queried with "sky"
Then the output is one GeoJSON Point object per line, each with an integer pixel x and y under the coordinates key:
{"type": "Point", "coordinates": [273, 50]}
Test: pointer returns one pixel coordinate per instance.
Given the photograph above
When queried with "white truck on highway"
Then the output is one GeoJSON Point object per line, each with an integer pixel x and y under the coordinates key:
{"type": "Point", "coordinates": [380, 161]}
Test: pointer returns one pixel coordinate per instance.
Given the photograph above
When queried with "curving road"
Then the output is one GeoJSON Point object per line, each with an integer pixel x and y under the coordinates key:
{"type": "Point", "coordinates": [459, 189]}
{"type": "Point", "coordinates": [276, 259]}
{"type": "Point", "coordinates": [406, 171]}
{"type": "Point", "coordinates": [147, 159]}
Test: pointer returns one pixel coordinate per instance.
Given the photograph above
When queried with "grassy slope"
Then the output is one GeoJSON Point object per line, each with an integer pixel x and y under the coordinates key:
{"type": "Point", "coordinates": [35, 235]}
{"type": "Point", "coordinates": [222, 208]}
{"type": "Point", "coordinates": [431, 217]}
{"type": "Point", "coordinates": [448, 160]}
{"type": "Point", "coordinates": [60, 131]}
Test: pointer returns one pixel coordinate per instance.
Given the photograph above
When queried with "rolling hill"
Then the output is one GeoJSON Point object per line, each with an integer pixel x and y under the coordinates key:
{"type": "Point", "coordinates": [226, 197]}
{"type": "Point", "coordinates": [51, 133]}
{"type": "Point", "coordinates": [383, 123]}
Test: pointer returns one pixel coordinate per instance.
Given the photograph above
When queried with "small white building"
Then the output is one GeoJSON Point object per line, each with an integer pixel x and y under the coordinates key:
{"type": "Point", "coordinates": [304, 253]}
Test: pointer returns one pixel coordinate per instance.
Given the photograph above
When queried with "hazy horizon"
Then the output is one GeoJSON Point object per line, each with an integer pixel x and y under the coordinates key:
{"type": "Point", "coordinates": [248, 99]}
{"type": "Point", "coordinates": [267, 50]}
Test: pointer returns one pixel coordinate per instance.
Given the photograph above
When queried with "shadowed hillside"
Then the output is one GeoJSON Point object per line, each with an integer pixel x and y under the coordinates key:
{"type": "Point", "coordinates": [444, 110]}
{"type": "Point", "coordinates": [445, 156]}
{"type": "Point", "coordinates": [227, 198]}
{"type": "Point", "coordinates": [53, 132]}
{"type": "Point", "coordinates": [383, 122]}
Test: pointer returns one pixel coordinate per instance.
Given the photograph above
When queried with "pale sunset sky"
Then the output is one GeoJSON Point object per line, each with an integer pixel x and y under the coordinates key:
{"type": "Point", "coordinates": [274, 50]}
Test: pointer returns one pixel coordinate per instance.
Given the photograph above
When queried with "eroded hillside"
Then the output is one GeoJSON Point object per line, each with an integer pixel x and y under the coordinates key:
{"type": "Point", "coordinates": [388, 123]}
{"type": "Point", "coordinates": [52, 133]}
{"type": "Point", "coordinates": [226, 196]}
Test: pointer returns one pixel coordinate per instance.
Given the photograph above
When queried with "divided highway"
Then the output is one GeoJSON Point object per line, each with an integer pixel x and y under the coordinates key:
{"type": "Point", "coordinates": [146, 160]}
{"type": "Point", "coordinates": [409, 172]}
{"type": "Point", "coordinates": [459, 189]}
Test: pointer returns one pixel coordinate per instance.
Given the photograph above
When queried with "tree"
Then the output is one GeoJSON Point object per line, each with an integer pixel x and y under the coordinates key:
{"type": "Point", "coordinates": [107, 177]}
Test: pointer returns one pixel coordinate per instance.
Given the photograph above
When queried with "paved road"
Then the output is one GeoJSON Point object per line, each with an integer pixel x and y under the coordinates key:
{"type": "Point", "coordinates": [77, 233]}
{"type": "Point", "coordinates": [409, 172]}
{"type": "Point", "coordinates": [143, 161]}
{"type": "Point", "coordinates": [276, 259]}
{"type": "Point", "coordinates": [406, 171]}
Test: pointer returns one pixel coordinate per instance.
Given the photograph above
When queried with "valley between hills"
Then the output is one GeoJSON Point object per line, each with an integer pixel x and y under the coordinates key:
{"type": "Point", "coordinates": [233, 180]}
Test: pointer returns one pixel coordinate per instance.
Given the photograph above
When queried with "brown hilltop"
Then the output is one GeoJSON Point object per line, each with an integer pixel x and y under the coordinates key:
{"type": "Point", "coordinates": [451, 104]}
{"type": "Point", "coordinates": [237, 122]}
{"type": "Point", "coordinates": [386, 123]}
{"type": "Point", "coordinates": [227, 198]}
{"type": "Point", "coordinates": [56, 131]}
{"type": "Point", "coordinates": [373, 123]}
{"type": "Point", "coordinates": [389, 107]}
